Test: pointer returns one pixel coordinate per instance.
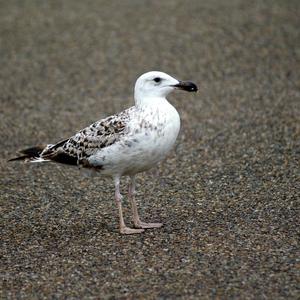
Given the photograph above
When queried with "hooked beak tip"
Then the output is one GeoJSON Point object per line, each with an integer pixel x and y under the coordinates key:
{"type": "Point", "coordinates": [186, 86]}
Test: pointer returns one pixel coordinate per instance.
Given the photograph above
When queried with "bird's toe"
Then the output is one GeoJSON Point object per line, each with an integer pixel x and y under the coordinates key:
{"type": "Point", "coordinates": [148, 225]}
{"type": "Point", "coordinates": [127, 230]}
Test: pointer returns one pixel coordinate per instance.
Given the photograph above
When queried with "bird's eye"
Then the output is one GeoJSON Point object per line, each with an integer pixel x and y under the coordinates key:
{"type": "Point", "coordinates": [157, 79]}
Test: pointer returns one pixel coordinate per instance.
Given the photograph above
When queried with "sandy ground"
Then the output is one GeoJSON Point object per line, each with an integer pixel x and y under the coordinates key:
{"type": "Point", "coordinates": [228, 193]}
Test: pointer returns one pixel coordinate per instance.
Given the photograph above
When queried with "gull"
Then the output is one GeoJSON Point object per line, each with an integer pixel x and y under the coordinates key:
{"type": "Point", "coordinates": [126, 143]}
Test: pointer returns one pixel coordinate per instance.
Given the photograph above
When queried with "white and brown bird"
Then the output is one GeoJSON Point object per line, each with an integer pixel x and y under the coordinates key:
{"type": "Point", "coordinates": [127, 143]}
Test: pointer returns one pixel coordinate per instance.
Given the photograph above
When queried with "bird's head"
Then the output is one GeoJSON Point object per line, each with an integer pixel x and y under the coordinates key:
{"type": "Point", "coordinates": [156, 84]}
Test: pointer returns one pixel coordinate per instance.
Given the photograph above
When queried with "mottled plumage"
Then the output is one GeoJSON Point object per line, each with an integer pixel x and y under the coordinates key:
{"type": "Point", "coordinates": [87, 142]}
{"type": "Point", "coordinates": [127, 143]}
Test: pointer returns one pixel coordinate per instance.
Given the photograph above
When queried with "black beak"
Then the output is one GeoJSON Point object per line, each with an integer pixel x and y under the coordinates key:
{"type": "Point", "coordinates": [186, 86]}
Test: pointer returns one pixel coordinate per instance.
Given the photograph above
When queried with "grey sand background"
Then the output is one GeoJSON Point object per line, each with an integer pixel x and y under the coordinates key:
{"type": "Point", "coordinates": [228, 193]}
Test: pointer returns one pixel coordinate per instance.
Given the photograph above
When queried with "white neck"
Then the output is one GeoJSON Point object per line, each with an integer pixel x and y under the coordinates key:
{"type": "Point", "coordinates": [153, 100]}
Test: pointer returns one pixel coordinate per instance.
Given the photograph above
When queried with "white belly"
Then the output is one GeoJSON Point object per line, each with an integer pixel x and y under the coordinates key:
{"type": "Point", "coordinates": [144, 146]}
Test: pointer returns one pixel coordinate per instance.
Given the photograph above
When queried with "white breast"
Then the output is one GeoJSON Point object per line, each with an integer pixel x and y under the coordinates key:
{"type": "Point", "coordinates": [152, 132]}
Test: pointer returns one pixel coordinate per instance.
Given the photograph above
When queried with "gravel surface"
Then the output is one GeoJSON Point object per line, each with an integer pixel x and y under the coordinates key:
{"type": "Point", "coordinates": [228, 193]}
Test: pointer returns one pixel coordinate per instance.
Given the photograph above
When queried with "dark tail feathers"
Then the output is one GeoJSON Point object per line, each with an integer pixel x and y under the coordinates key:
{"type": "Point", "coordinates": [29, 153]}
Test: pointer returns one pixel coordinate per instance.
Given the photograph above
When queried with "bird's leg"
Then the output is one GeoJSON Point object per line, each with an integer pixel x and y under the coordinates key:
{"type": "Point", "coordinates": [123, 228]}
{"type": "Point", "coordinates": [136, 219]}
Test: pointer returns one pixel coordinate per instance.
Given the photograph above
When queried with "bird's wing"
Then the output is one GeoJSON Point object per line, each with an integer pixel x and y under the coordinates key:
{"type": "Point", "coordinates": [76, 149]}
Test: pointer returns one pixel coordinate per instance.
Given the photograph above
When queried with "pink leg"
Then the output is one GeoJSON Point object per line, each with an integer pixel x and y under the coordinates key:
{"type": "Point", "coordinates": [123, 228]}
{"type": "Point", "coordinates": [136, 219]}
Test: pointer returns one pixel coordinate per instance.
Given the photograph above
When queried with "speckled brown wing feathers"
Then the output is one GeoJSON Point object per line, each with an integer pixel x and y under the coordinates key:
{"type": "Point", "coordinates": [88, 141]}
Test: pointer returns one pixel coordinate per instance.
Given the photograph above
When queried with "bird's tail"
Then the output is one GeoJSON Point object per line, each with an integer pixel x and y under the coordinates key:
{"type": "Point", "coordinates": [30, 154]}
